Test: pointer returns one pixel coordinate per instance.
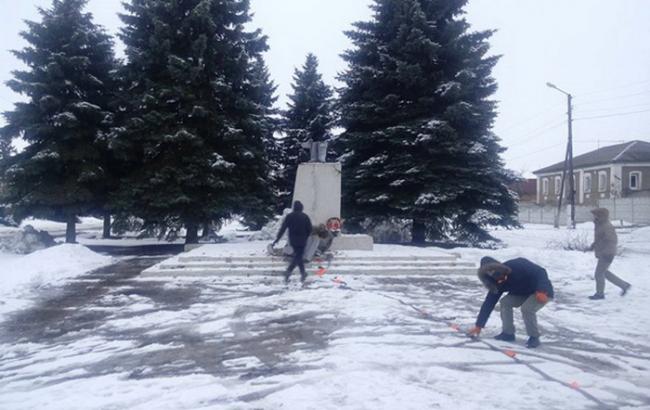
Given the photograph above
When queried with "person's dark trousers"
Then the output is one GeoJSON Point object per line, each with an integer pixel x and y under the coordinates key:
{"type": "Point", "coordinates": [298, 253]}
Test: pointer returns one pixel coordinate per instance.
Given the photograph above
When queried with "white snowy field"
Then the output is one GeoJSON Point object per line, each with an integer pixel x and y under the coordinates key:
{"type": "Point", "coordinates": [371, 343]}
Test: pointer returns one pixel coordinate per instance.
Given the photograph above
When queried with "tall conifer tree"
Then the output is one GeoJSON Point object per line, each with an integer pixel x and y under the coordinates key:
{"type": "Point", "coordinates": [309, 117]}
{"type": "Point", "coordinates": [417, 111]}
{"type": "Point", "coordinates": [261, 121]}
{"type": "Point", "coordinates": [191, 136]}
{"type": "Point", "coordinates": [6, 150]}
{"type": "Point", "coordinates": [61, 173]}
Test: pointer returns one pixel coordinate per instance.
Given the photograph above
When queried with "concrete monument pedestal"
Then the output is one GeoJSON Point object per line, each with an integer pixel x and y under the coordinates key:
{"type": "Point", "coordinates": [318, 187]}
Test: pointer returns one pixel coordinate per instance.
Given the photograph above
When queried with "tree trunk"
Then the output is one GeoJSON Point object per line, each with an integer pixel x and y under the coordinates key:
{"type": "Point", "coordinates": [71, 229]}
{"type": "Point", "coordinates": [205, 234]}
{"type": "Point", "coordinates": [192, 235]}
{"type": "Point", "coordinates": [418, 232]}
{"type": "Point", "coordinates": [107, 225]}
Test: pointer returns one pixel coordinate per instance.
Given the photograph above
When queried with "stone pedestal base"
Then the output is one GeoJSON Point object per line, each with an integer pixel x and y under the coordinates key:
{"type": "Point", "coordinates": [352, 243]}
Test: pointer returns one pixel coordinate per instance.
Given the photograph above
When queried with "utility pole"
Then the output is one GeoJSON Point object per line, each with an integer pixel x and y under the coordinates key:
{"type": "Point", "coordinates": [572, 188]}
{"type": "Point", "coordinates": [568, 162]}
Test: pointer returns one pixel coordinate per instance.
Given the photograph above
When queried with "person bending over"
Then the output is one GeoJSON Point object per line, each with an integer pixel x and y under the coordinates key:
{"type": "Point", "coordinates": [527, 286]}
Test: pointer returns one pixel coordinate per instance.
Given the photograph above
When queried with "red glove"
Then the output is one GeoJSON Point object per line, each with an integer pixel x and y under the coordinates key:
{"type": "Point", "coordinates": [474, 332]}
{"type": "Point", "coordinates": [541, 297]}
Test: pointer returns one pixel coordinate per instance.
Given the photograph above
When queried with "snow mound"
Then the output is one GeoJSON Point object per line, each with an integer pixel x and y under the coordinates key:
{"type": "Point", "coordinates": [22, 275]}
{"type": "Point", "coordinates": [26, 241]}
{"type": "Point", "coordinates": [51, 265]}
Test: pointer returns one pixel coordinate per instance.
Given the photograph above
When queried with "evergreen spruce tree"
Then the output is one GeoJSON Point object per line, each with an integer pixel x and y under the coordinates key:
{"type": "Point", "coordinates": [65, 118]}
{"type": "Point", "coordinates": [6, 150]}
{"type": "Point", "coordinates": [309, 117]}
{"type": "Point", "coordinates": [190, 136]}
{"type": "Point", "coordinates": [116, 169]}
{"type": "Point", "coordinates": [417, 112]}
{"type": "Point", "coordinates": [261, 122]}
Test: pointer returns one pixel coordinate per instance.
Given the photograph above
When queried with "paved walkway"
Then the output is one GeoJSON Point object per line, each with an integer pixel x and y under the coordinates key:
{"type": "Point", "coordinates": [111, 340]}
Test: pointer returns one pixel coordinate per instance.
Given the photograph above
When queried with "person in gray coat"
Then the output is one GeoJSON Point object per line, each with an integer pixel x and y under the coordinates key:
{"type": "Point", "coordinates": [604, 247]}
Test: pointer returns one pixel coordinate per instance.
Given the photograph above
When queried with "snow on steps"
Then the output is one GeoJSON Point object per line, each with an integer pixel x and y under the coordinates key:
{"type": "Point", "coordinates": [250, 259]}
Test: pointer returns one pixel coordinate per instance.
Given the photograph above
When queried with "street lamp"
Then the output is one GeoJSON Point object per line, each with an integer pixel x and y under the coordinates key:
{"type": "Point", "coordinates": [567, 161]}
{"type": "Point", "coordinates": [551, 85]}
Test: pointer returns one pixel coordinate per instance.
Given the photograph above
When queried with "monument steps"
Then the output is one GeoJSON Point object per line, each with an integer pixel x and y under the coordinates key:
{"type": "Point", "coordinates": [373, 258]}
{"type": "Point", "coordinates": [271, 265]}
{"type": "Point", "coordinates": [344, 265]}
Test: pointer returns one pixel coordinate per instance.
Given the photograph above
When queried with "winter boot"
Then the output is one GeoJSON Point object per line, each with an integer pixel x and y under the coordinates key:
{"type": "Point", "coordinates": [597, 296]}
{"type": "Point", "coordinates": [533, 342]}
{"type": "Point", "coordinates": [506, 337]}
{"type": "Point", "coordinates": [625, 290]}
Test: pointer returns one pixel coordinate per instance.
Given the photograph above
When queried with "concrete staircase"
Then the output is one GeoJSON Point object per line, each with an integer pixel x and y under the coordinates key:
{"type": "Point", "coordinates": [197, 265]}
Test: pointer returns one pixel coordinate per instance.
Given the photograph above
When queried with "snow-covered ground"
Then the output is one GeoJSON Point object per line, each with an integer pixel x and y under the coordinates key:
{"type": "Point", "coordinates": [375, 343]}
{"type": "Point", "coordinates": [22, 277]}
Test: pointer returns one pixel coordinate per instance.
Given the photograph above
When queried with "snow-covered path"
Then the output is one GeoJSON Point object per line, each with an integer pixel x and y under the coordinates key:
{"type": "Point", "coordinates": [111, 340]}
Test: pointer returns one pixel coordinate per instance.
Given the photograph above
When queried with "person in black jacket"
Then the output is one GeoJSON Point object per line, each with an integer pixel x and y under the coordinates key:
{"type": "Point", "coordinates": [299, 226]}
{"type": "Point", "coordinates": [528, 287]}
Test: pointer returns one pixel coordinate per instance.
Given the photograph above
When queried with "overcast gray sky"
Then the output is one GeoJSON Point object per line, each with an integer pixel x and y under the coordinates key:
{"type": "Point", "coordinates": [599, 50]}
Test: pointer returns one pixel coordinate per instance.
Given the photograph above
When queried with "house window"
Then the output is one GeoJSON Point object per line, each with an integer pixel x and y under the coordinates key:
{"type": "Point", "coordinates": [587, 183]}
{"type": "Point", "coordinates": [602, 181]}
{"type": "Point", "coordinates": [545, 186]}
{"type": "Point", "coordinates": [635, 180]}
{"type": "Point", "coordinates": [558, 180]}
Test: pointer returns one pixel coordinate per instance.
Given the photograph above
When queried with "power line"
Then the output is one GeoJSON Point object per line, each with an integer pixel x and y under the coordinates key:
{"type": "Point", "coordinates": [617, 108]}
{"type": "Point", "coordinates": [606, 90]}
{"type": "Point", "coordinates": [618, 97]}
{"type": "Point", "coordinates": [538, 114]}
{"type": "Point", "coordinates": [620, 114]}
{"type": "Point", "coordinates": [536, 152]}
{"type": "Point", "coordinates": [597, 141]}
{"type": "Point", "coordinates": [526, 138]}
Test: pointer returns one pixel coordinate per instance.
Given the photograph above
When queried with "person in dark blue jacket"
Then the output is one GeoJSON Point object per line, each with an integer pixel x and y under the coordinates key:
{"type": "Point", "coordinates": [299, 226]}
{"type": "Point", "coordinates": [527, 286]}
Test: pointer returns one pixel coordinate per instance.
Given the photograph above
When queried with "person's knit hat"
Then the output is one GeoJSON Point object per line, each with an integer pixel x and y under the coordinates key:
{"type": "Point", "coordinates": [487, 260]}
{"type": "Point", "coordinates": [601, 214]}
{"type": "Point", "coordinates": [490, 271]}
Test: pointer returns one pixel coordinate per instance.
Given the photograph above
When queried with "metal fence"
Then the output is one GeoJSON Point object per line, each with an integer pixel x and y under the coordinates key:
{"type": "Point", "coordinates": [633, 210]}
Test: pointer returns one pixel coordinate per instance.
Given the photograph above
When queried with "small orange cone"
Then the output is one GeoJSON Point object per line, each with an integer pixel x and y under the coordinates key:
{"type": "Point", "coordinates": [510, 353]}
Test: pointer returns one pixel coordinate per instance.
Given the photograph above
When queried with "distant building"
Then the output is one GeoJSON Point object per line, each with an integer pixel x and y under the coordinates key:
{"type": "Point", "coordinates": [617, 171]}
{"type": "Point", "coordinates": [526, 189]}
